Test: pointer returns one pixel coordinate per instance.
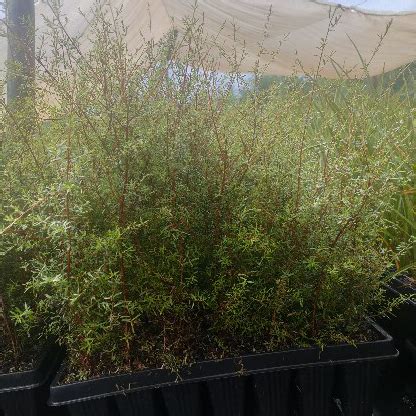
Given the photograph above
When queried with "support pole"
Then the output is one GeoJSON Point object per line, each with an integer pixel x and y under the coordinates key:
{"type": "Point", "coordinates": [20, 15]}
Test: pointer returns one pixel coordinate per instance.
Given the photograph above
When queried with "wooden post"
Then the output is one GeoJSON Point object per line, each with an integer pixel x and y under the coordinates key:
{"type": "Point", "coordinates": [20, 17]}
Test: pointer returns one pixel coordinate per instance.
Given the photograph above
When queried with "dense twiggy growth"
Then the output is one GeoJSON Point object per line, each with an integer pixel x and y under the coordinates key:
{"type": "Point", "coordinates": [157, 215]}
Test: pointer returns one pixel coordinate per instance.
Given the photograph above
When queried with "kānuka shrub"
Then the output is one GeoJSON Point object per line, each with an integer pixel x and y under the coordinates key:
{"type": "Point", "coordinates": [157, 215]}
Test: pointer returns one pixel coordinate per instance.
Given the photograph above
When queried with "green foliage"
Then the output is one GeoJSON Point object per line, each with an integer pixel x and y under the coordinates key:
{"type": "Point", "coordinates": [153, 218]}
{"type": "Point", "coordinates": [401, 232]}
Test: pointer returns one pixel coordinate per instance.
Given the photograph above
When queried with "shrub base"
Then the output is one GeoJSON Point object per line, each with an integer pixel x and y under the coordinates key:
{"type": "Point", "coordinates": [305, 382]}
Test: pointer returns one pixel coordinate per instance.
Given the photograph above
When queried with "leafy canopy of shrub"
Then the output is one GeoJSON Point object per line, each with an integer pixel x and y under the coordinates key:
{"type": "Point", "coordinates": [154, 216]}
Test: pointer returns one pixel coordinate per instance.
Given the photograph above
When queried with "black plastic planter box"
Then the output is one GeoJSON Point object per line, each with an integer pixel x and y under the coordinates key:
{"type": "Point", "coordinates": [411, 351]}
{"type": "Point", "coordinates": [26, 393]}
{"type": "Point", "coordinates": [304, 382]}
{"type": "Point", "coordinates": [403, 324]}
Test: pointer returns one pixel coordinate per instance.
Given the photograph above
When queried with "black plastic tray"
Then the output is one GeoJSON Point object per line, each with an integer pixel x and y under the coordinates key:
{"type": "Point", "coordinates": [306, 381]}
{"type": "Point", "coordinates": [399, 286]}
{"type": "Point", "coordinates": [411, 349]}
{"type": "Point", "coordinates": [26, 393]}
{"type": "Point", "coordinates": [403, 324]}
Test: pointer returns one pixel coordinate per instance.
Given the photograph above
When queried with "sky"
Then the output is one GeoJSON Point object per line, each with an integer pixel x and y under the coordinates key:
{"type": "Point", "coordinates": [384, 6]}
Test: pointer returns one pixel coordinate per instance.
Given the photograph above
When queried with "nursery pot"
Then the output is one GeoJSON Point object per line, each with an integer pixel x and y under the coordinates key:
{"type": "Point", "coordinates": [402, 325]}
{"type": "Point", "coordinates": [411, 351]}
{"type": "Point", "coordinates": [26, 393]}
{"type": "Point", "coordinates": [303, 382]}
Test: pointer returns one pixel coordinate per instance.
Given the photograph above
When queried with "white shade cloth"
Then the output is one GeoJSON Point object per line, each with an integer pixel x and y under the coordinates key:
{"type": "Point", "coordinates": [293, 28]}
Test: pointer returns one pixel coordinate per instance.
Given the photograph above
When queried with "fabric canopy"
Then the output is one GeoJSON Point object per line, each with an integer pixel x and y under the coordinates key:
{"type": "Point", "coordinates": [295, 29]}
